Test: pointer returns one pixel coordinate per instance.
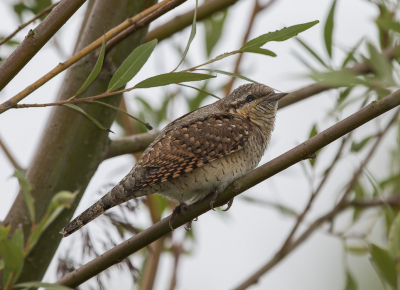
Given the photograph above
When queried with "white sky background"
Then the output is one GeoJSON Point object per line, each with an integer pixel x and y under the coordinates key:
{"type": "Point", "coordinates": [231, 246]}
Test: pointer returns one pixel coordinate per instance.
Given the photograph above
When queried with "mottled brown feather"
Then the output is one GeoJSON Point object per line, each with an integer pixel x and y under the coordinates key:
{"type": "Point", "coordinates": [192, 145]}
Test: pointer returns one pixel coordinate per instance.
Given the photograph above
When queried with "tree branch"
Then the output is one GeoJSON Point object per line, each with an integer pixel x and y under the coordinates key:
{"type": "Point", "coordinates": [250, 179]}
{"type": "Point", "coordinates": [79, 55]}
{"type": "Point", "coordinates": [130, 144]}
{"type": "Point", "coordinates": [35, 40]}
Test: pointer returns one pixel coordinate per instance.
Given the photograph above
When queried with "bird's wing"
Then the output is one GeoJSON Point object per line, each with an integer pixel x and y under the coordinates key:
{"type": "Point", "coordinates": [192, 145]}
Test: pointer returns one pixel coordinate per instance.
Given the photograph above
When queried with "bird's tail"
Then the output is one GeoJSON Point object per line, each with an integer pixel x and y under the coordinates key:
{"type": "Point", "coordinates": [117, 195]}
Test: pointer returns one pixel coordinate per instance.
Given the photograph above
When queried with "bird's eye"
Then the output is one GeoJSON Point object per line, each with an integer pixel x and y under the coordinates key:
{"type": "Point", "coordinates": [250, 98]}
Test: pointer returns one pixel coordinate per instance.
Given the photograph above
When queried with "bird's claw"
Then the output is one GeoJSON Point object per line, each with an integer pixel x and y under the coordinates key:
{"type": "Point", "coordinates": [230, 202]}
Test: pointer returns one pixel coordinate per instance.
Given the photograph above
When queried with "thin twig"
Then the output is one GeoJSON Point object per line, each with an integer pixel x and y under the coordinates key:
{"type": "Point", "coordinates": [88, 49]}
{"type": "Point", "coordinates": [288, 247]}
{"type": "Point", "coordinates": [256, 10]}
{"type": "Point", "coordinates": [250, 179]}
{"type": "Point", "coordinates": [10, 157]}
{"type": "Point", "coordinates": [22, 26]}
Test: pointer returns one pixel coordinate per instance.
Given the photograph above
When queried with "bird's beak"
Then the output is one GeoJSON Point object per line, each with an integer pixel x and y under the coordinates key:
{"type": "Point", "coordinates": [276, 97]}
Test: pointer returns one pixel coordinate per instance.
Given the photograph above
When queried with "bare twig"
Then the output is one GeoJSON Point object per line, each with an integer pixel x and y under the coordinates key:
{"type": "Point", "coordinates": [250, 179]}
{"type": "Point", "coordinates": [289, 246]}
{"type": "Point", "coordinates": [10, 157]}
{"type": "Point", "coordinates": [22, 26]}
{"type": "Point", "coordinates": [256, 10]}
{"type": "Point", "coordinates": [85, 51]}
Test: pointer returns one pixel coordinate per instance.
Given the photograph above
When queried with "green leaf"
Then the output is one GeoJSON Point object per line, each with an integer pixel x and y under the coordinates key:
{"type": "Point", "coordinates": [132, 65]}
{"type": "Point", "coordinates": [96, 70]}
{"type": "Point", "coordinates": [313, 132]}
{"type": "Point", "coordinates": [172, 78]}
{"type": "Point", "coordinates": [389, 24]}
{"type": "Point", "coordinates": [281, 208]}
{"type": "Point", "coordinates": [350, 55]}
{"type": "Point", "coordinates": [359, 193]}
{"type": "Point", "coordinates": [4, 230]}
{"type": "Point", "coordinates": [97, 123]}
{"type": "Point", "coordinates": [357, 146]}
{"type": "Point", "coordinates": [148, 126]}
{"type": "Point", "coordinates": [381, 66]}
{"type": "Point", "coordinates": [13, 260]}
{"type": "Point", "coordinates": [200, 90]}
{"type": "Point", "coordinates": [259, 51]}
{"type": "Point", "coordinates": [394, 241]}
{"type": "Point", "coordinates": [191, 37]}
{"type": "Point", "coordinates": [228, 74]}
{"type": "Point", "coordinates": [279, 35]}
{"type": "Point", "coordinates": [312, 52]}
{"type": "Point", "coordinates": [359, 251]}
{"type": "Point", "coordinates": [385, 264]}
{"type": "Point", "coordinates": [329, 29]}
{"type": "Point", "coordinates": [26, 189]}
{"type": "Point", "coordinates": [18, 239]}
{"type": "Point", "coordinates": [350, 282]}
{"type": "Point", "coordinates": [60, 200]}
{"type": "Point", "coordinates": [338, 79]}
{"type": "Point", "coordinates": [49, 286]}
{"type": "Point", "coordinates": [344, 94]}
{"type": "Point", "coordinates": [213, 27]}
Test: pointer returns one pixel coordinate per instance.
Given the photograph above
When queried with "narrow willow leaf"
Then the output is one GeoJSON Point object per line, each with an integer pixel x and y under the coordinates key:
{"type": "Point", "coordinates": [389, 24]}
{"type": "Point", "coordinates": [385, 264]}
{"type": "Point", "coordinates": [4, 230]}
{"type": "Point", "coordinates": [228, 74]}
{"type": "Point", "coordinates": [350, 55]}
{"type": "Point", "coordinates": [132, 65]}
{"type": "Point", "coordinates": [359, 193]}
{"type": "Point", "coordinates": [259, 51]}
{"type": "Point", "coordinates": [18, 239]}
{"type": "Point", "coordinates": [305, 63]}
{"type": "Point", "coordinates": [26, 189]}
{"type": "Point", "coordinates": [96, 70]}
{"type": "Point", "coordinates": [359, 251]}
{"type": "Point", "coordinates": [329, 29]}
{"type": "Point", "coordinates": [49, 286]}
{"type": "Point", "coordinates": [172, 78]}
{"type": "Point", "coordinates": [394, 242]}
{"type": "Point", "coordinates": [338, 79]}
{"type": "Point", "coordinates": [313, 53]}
{"type": "Point", "coordinates": [13, 260]}
{"type": "Point", "coordinates": [191, 37]}
{"type": "Point", "coordinates": [281, 208]}
{"type": "Point", "coordinates": [350, 282]}
{"type": "Point", "coordinates": [279, 35]}
{"type": "Point", "coordinates": [148, 126]}
{"type": "Point", "coordinates": [213, 26]}
{"type": "Point", "coordinates": [200, 90]}
{"type": "Point", "coordinates": [97, 123]}
{"type": "Point", "coordinates": [380, 65]}
{"type": "Point", "coordinates": [357, 146]}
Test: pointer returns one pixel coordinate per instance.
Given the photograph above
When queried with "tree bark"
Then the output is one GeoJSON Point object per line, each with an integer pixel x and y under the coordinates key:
{"type": "Point", "coordinates": [72, 146]}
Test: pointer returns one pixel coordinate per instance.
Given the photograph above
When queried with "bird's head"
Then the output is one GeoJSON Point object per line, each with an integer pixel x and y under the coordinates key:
{"type": "Point", "coordinates": [255, 102]}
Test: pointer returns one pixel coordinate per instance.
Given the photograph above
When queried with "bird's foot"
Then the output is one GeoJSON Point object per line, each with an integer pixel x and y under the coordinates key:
{"type": "Point", "coordinates": [230, 202]}
{"type": "Point", "coordinates": [189, 224]}
{"type": "Point", "coordinates": [177, 210]}
{"type": "Point", "coordinates": [217, 191]}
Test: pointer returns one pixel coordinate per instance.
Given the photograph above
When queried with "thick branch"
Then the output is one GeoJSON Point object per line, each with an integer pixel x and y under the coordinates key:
{"type": "Point", "coordinates": [250, 179]}
{"type": "Point", "coordinates": [35, 40]}
{"type": "Point", "coordinates": [130, 144]}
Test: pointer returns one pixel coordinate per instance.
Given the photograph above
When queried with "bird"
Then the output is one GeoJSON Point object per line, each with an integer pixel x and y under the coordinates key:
{"type": "Point", "coordinates": [198, 154]}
